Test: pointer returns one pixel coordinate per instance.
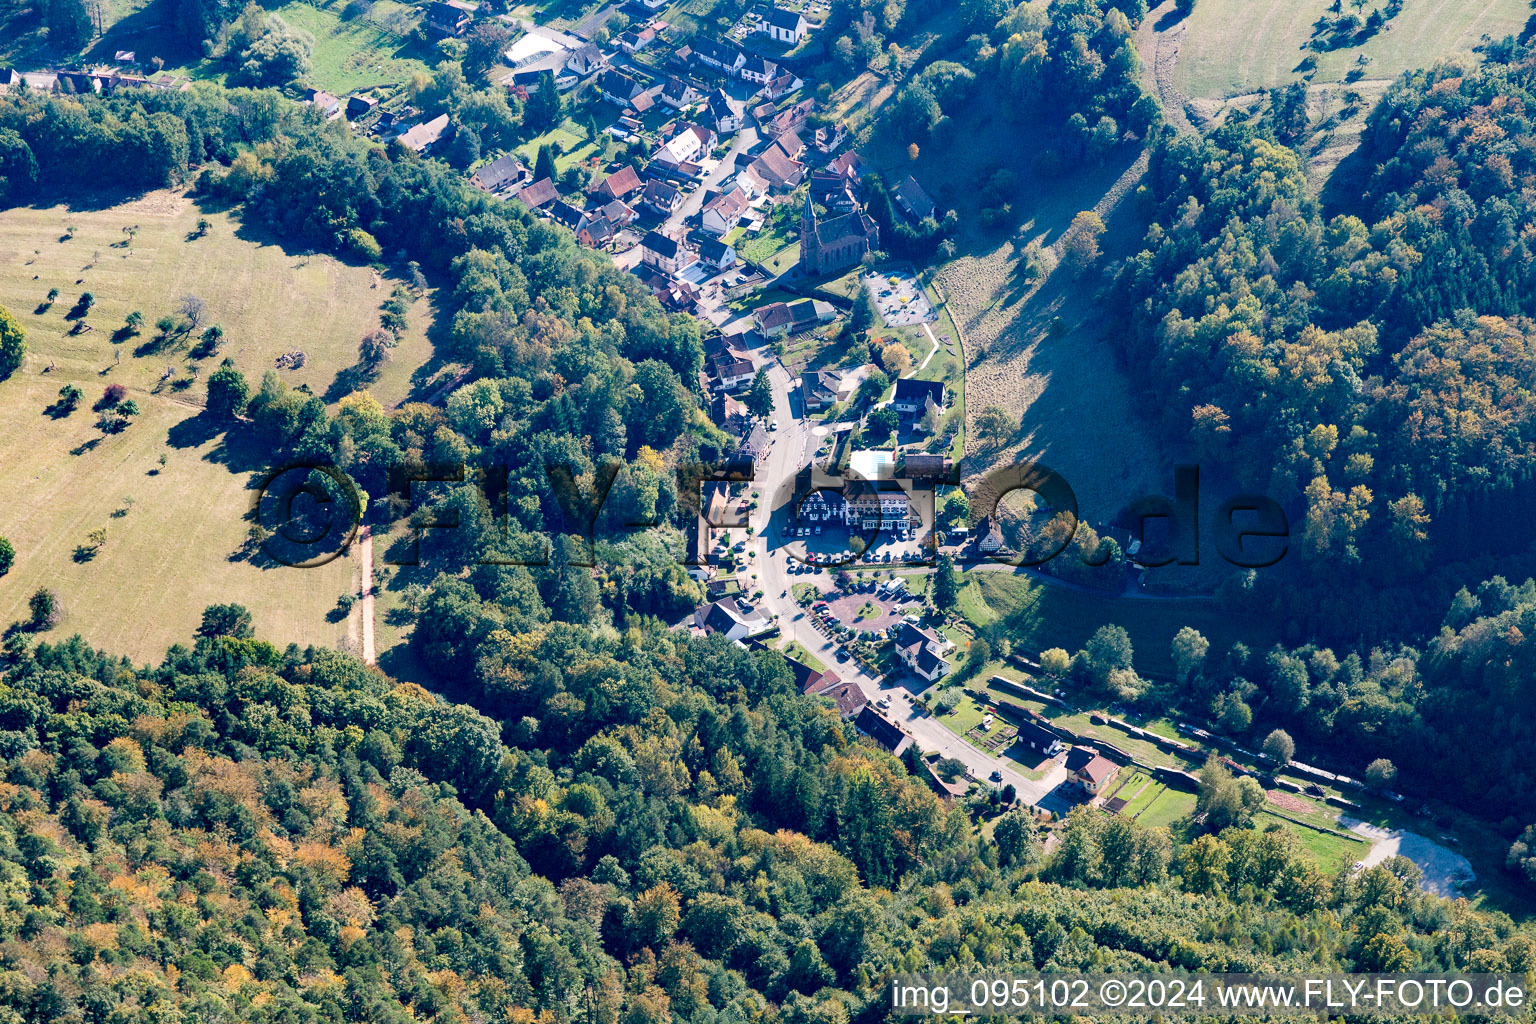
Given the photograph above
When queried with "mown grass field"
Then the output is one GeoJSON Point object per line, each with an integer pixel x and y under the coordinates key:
{"type": "Point", "coordinates": [371, 49]}
{"type": "Point", "coordinates": [176, 549]}
{"type": "Point", "coordinates": [1236, 46]}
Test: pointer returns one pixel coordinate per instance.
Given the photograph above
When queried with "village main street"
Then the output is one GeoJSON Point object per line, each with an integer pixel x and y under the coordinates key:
{"type": "Point", "coordinates": [794, 444]}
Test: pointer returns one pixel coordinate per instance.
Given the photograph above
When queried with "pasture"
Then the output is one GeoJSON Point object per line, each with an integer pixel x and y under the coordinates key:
{"type": "Point", "coordinates": [177, 544]}
{"type": "Point", "coordinates": [1238, 46]}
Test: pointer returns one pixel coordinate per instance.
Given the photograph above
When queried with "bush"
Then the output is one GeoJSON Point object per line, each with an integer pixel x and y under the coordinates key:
{"type": "Point", "coordinates": [7, 556]}
{"type": "Point", "coordinates": [47, 609]}
{"type": "Point", "coordinates": [110, 398]}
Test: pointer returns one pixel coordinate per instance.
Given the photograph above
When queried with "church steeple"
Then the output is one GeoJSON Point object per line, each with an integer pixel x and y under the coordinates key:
{"type": "Point", "coordinates": [809, 248]}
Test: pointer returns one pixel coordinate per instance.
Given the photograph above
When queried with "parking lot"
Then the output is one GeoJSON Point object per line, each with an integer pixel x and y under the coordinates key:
{"type": "Point", "coordinates": [899, 298]}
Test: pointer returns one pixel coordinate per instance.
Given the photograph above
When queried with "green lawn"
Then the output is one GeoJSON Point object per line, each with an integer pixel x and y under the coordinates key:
{"type": "Point", "coordinates": [567, 135]}
{"type": "Point", "coordinates": [176, 549]}
{"type": "Point", "coordinates": [783, 260]}
{"type": "Point", "coordinates": [1332, 852]}
{"type": "Point", "coordinates": [794, 649]}
{"type": "Point", "coordinates": [1166, 808]}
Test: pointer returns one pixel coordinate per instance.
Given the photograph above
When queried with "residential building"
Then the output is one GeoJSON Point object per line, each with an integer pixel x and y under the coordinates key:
{"type": "Point", "coordinates": [914, 202]}
{"type": "Point", "coordinates": [788, 27]}
{"type": "Point", "coordinates": [818, 389]}
{"type": "Point", "coordinates": [621, 213]}
{"type": "Point", "coordinates": [721, 56]}
{"type": "Point", "coordinates": [789, 145]}
{"type": "Point", "coordinates": [828, 137]}
{"type": "Point", "coordinates": [773, 320]}
{"type": "Point", "coordinates": [921, 650]}
{"type": "Point", "coordinates": [912, 396]}
{"type": "Point", "coordinates": [691, 143]}
{"type": "Point", "coordinates": [884, 732]}
{"type": "Point", "coordinates": [780, 86]}
{"type": "Point", "coordinates": [636, 40]}
{"type": "Point", "coordinates": [730, 616]}
{"type": "Point", "coordinates": [731, 370]}
{"type": "Point", "coordinates": [1090, 769]}
{"type": "Point", "coordinates": [505, 172]}
{"type": "Point", "coordinates": [758, 71]}
{"type": "Point", "coordinates": [1038, 739]}
{"type": "Point", "coordinates": [789, 119]}
{"type": "Point", "coordinates": [847, 696]}
{"type": "Point", "coordinates": [446, 18]}
{"type": "Point", "coordinates": [722, 112]}
{"type": "Point", "coordinates": [328, 105]}
{"type": "Point", "coordinates": [834, 243]}
{"type": "Point", "coordinates": [667, 255]}
{"type": "Point", "coordinates": [585, 61]}
{"type": "Point", "coordinates": [359, 106]}
{"type": "Point", "coordinates": [778, 171]}
{"type": "Point", "coordinates": [661, 197]}
{"type": "Point", "coordinates": [562, 212]}
{"type": "Point", "coordinates": [753, 447]}
{"type": "Point", "coordinates": [723, 212]}
{"type": "Point", "coordinates": [619, 88]}
{"type": "Point", "coordinates": [678, 93]}
{"type": "Point", "coordinates": [717, 254]}
{"type": "Point", "coordinates": [538, 194]}
{"type": "Point", "coordinates": [989, 535]}
{"type": "Point", "coordinates": [620, 183]}
{"type": "Point", "coordinates": [427, 136]}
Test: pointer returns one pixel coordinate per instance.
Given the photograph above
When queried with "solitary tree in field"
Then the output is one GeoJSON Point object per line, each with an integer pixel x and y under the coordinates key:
{"type": "Point", "coordinates": [7, 556]}
{"type": "Point", "coordinates": [134, 322]}
{"type": "Point", "coordinates": [1080, 245]}
{"type": "Point", "coordinates": [193, 309]}
{"type": "Point", "coordinates": [46, 608]}
{"type": "Point", "coordinates": [1279, 747]}
{"type": "Point", "coordinates": [376, 346]}
{"type": "Point", "coordinates": [226, 620]}
{"type": "Point", "coordinates": [13, 344]}
{"type": "Point", "coordinates": [993, 425]}
{"type": "Point", "coordinates": [228, 392]}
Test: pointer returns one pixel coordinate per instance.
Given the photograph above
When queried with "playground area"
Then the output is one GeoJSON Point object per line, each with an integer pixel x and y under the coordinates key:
{"type": "Point", "coordinates": [899, 297]}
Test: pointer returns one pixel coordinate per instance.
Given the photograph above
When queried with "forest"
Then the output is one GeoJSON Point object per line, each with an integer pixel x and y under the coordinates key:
{"type": "Point", "coordinates": [248, 833]}
{"type": "Point", "coordinates": [598, 819]}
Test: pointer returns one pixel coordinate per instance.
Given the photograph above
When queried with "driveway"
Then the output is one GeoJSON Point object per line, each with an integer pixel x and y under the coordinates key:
{"type": "Point", "coordinates": [745, 139]}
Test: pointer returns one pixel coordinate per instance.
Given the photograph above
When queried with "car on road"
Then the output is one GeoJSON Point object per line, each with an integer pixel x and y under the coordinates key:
{"type": "Point", "coordinates": [996, 776]}
{"type": "Point", "coordinates": [842, 654]}
{"type": "Point", "coordinates": [774, 425]}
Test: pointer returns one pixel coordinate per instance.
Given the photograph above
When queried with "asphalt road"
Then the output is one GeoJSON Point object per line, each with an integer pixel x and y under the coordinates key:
{"type": "Point", "coordinates": [793, 445]}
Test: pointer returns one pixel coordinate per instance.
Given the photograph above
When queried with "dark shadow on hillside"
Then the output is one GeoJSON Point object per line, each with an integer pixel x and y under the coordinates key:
{"type": "Point", "coordinates": [1342, 191]}
{"type": "Point", "coordinates": [1170, 18]}
{"type": "Point", "coordinates": [429, 378]}
{"type": "Point", "coordinates": [150, 32]}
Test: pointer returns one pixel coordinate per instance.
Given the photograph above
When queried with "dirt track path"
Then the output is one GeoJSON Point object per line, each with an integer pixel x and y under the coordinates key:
{"type": "Point", "coordinates": [1158, 40]}
{"type": "Point", "coordinates": [365, 556]}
